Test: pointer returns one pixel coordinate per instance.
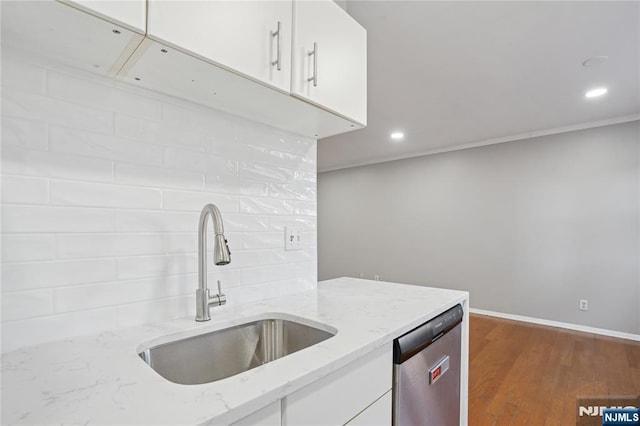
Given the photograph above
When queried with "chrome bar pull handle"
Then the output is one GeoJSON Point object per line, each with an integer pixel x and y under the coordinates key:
{"type": "Point", "coordinates": [278, 60]}
{"type": "Point", "coordinates": [314, 53]}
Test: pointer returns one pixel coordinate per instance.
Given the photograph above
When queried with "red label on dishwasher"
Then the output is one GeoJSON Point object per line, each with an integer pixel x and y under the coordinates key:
{"type": "Point", "coordinates": [435, 373]}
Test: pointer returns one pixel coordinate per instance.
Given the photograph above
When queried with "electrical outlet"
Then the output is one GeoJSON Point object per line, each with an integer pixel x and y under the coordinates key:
{"type": "Point", "coordinates": [292, 238]}
{"type": "Point", "coordinates": [584, 305]}
{"type": "Point", "coordinates": [361, 275]}
{"type": "Point", "coordinates": [376, 277]}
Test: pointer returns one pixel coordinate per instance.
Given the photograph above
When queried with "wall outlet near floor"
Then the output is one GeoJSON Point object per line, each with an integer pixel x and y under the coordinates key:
{"type": "Point", "coordinates": [584, 305]}
{"type": "Point", "coordinates": [292, 238]}
{"type": "Point", "coordinates": [376, 277]}
{"type": "Point", "coordinates": [361, 275]}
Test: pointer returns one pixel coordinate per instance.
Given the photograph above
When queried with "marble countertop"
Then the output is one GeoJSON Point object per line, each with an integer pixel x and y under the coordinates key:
{"type": "Point", "coordinates": [101, 380]}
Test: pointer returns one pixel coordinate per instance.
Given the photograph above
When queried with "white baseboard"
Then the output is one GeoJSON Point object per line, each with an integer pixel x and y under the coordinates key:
{"type": "Point", "coordinates": [576, 327]}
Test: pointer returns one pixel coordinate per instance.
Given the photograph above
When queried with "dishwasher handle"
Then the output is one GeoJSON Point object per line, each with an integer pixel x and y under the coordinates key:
{"type": "Point", "coordinates": [409, 344]}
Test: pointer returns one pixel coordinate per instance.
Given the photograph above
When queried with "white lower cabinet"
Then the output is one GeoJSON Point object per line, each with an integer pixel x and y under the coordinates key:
{"type": "Point", "coordinates": [358, 394]}
{"type": "Point", "coordinates": [377, 414]}
{"type": "Point", "coordinates": [267, 416]}
{"type": "Point", "coordinates": [342, 395]}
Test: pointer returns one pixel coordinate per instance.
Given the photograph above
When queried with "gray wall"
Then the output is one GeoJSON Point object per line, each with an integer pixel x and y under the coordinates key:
{"type": "Point", "coordinates": [528, 227]}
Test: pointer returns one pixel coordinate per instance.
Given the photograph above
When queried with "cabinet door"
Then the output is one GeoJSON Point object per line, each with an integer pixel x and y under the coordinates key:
{"type": "Point", "coordinates": [268, 416]}
{"type": "Point", "coordinates": [236, 35]}
{"type": "Point", "coordinates": [131, 14]}
{"type": "Point", "coordinates": [334, 75]}
{"type": "Point", "coordinates": [342, 395]}
{"type": "Point", "coordinates": [377, 414]}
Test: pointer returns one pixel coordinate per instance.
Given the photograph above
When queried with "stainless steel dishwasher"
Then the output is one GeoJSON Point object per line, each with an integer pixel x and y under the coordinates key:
{"type": "Point", "coordinates": [426, 372]}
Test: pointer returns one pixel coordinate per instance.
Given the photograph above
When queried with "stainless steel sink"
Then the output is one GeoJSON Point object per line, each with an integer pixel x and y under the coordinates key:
{"type": "Point", "coordinates": [223, 353]}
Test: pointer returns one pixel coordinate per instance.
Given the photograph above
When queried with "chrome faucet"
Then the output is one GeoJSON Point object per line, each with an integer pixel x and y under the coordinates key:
{"type": "Point", "coordinates": [221, 256]}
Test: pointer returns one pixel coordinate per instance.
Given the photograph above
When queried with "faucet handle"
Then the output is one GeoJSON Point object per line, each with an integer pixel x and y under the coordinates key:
{"type": "Point", "coordinates": [218, 299]}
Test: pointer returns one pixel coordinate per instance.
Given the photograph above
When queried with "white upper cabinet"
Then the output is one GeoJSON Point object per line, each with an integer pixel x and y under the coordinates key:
{"type": "Point", "coordinates": [330, 59]}
{"type": "Point", "coordinates": [245, 57]}
{"type": "Point", "coordinates": [252, 38]}
{"type": "Point", "coordinates": [70, 35]}
{"type": "Point", "coordinates": [129, 13]}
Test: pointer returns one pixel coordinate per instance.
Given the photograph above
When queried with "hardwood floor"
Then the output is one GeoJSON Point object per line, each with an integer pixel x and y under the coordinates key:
{"type": "Point", "coordinates": [527, 374]}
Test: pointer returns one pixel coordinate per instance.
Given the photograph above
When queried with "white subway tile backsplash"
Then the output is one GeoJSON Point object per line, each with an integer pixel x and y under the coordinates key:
{"type": "Point", "coordinates": [104, 195]}
{"type": "Point", "coordinates": [260, 257]}
{"type": "Point", "coordinates": [16, 334]}
{"type": "Point", "coordinates": [305, 208]}
{"type": "Point", "coordinates": [305, 176]}
{"type": "Point", "coordinates": [184, 242]}
{"type": "Point", "coordinates": [20, 161]}
{"type": "Point", "coordinates": [264, 136]}
{"type": "Point", "coordinates": [253, 153]}
{"type": "Point", "coordinates": [194, 201]}
{"type": "Point", "coordinates": [286, 159]}
{"type": "Point", "coordinates": [160, 309]}
{"type": "Point", "coordinates": [86, 92]}
{"type": "Point", "coordinates": [188, 242]}
{"type": "Point", "coordinates": [79, 142]}
{"type": "Point", "coordinates": [41, 219]}
{"type": "Point", "coordinates": [310, 238]}
{"type": "Point", "coordinates": [245, 223]}
{"type": "Point", "coordinates": [249, 293]}
{"type": "Point", "coordinates": [305, 223]}
{"type": "Point", "coordinates": [19, 248]}
{"type": "Point", "coordinates": [28, 275]}
{"type": "Point", "coordinates": [235, 185]}
{"type": "Point", "coordinates": [267, 274]}
{"type": "Point", "coordinates": [22, 76]}
{"type": "Point", "coordinates": [77, 246]}
{"type": "Point", "coordinates": [52, 111]}
{"type": "Point", "coordinates": [293, 191]}
{"type": "Point", "coordinates": [155, 221]}
{"type": "Point", "coordinates": [261, 154]}
{"type": "Point", "coordinates": [26, 304]}
{"type": "Point", "coordinates": [156, 266]}
{"type": "Point", "coordinates": [228, 276]}
{"type": "Point", "coordinates": [158, 132]}
{"type": "Point", "coordinates": [24, 190]}
{"type": "Point", "coordinates": [102, 188]}
{"type": "Point", "coordinates": [263, 171]}
{"type": "Point", "coordinates": [197, 161]}
{"type": "Point", "coordinates": [220, 126]}
{"type": "Point", "coordinates": [265, 206]}
{"type": "Point", "coordinates": [158, 177]}
{"type": "Point", "coordinates": [304, 270]}
{"type": "Point", "coordinates": [24, 134]}
{"type": "Point", "coordinates": [258, 240]}
{"type": "Point", "coordinates": [113, 293]}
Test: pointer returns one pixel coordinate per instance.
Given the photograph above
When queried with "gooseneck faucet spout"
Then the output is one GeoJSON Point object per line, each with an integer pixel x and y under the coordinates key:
{"type": "Point", "coordinates": [221, 256]}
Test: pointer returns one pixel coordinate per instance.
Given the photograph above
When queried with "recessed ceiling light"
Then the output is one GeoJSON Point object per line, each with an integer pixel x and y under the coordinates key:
{"type": "Point", "coordinates": [596, 92]}
{"type": "Point", "coordinates": [397, 136]}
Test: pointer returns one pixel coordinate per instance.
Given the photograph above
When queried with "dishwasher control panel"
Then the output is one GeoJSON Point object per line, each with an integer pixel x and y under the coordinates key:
{"type": "Point", "coordinates": [409, 344]}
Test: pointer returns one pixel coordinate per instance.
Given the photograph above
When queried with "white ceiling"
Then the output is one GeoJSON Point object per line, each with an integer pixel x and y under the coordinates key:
{"type": "Point", "coordinates": [450, 74]}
